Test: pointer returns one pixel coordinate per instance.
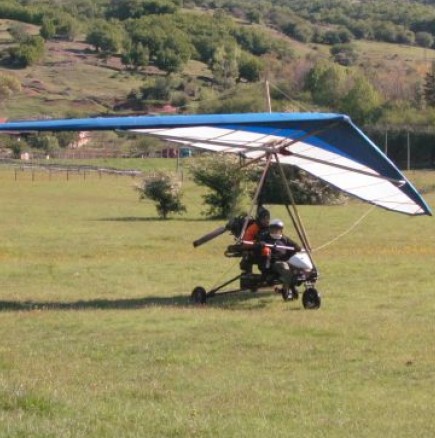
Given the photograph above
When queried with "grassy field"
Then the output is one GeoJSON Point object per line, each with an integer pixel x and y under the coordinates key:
{"type": "Point", "coordinates": [97, 337]}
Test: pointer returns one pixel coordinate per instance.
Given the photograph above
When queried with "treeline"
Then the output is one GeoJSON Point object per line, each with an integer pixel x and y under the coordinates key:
{"type": "Point", "coordinates": [319, 21]}
{"type": "Point", "coordinates": [340, 21]}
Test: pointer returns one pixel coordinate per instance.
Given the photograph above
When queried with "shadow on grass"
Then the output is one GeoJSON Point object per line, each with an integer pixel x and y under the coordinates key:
{"type": "Point", "coordinates": [237, 301]}
{"type": "Point", "coordinates": [128, 303]}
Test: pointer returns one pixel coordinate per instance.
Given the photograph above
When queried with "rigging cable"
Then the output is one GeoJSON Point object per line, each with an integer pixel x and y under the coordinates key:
{"type": "Point", "coordinates": [357, 222]}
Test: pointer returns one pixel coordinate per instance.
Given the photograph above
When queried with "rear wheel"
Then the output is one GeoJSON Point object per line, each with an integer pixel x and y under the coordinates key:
{"type": "Point", "coordinates": [198, 295]}
{"type": "Point", "coordinates": [311, 299]}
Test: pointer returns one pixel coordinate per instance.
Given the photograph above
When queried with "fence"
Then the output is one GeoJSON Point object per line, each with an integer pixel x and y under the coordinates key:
{"type": "Point", "coordinates": [39, 173]}
{"type": "Point", "coordinates": [407, 149]}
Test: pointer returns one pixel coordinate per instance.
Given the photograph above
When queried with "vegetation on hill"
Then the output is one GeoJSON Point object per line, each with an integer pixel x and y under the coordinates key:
{"type": "Point", "coordinates": [371, 60]}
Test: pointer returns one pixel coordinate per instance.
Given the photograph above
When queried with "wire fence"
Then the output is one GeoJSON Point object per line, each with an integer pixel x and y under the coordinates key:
{"type": "Point", "coordinates": [39, 173]}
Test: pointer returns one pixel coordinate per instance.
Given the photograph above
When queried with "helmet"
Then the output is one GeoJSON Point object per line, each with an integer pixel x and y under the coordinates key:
{"type": "Point", "coordinates": [276, 223]}
{"type": "Point", "coordinates": [262, 213]}
{"type": "Point", "coordinates": [275, 229]}
{"type": "Point", "coordinates": [263, 217]}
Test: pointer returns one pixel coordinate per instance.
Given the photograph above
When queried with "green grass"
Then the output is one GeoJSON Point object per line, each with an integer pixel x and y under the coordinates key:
{"type": "Point", "coordinates": [97, 337]}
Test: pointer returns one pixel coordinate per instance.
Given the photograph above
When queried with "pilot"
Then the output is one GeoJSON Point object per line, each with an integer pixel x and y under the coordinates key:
{"type": "Point", "coordinates": [276, 257]}
{"type": "Point", "coordinates": [251, 253]}
{"type": "Point", "coordinates": [260, 224]}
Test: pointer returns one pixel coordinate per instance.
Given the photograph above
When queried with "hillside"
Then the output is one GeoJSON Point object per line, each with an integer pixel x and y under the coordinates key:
{"type": "Point", "coordinates": [72, 79]}
{"type": "Point", "coordinates": [214, 57]}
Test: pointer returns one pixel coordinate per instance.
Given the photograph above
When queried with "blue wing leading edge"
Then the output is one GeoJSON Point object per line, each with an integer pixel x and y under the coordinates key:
{"type": "Point", "coordinates": [326, 145]}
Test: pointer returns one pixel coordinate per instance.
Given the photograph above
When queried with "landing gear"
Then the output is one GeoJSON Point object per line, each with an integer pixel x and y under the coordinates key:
{"type": "Point", "coordinates": [311, 299]}
{"type": "Point", "coordinates": [253, 282]}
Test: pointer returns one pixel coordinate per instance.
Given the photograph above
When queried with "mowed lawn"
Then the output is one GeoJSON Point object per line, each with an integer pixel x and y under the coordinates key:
{"type": "Point", "coordinates": [97, 338]}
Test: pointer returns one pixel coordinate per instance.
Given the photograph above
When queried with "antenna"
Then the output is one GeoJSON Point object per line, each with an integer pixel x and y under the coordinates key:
{"type": "Point", "coordinates": [267, 94]}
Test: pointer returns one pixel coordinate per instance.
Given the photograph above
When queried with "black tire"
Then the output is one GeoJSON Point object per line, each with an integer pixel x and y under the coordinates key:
{"type": "Point", "coordinates": [311, 299]}
{"type": "Point", "coordinates": [199, 295]}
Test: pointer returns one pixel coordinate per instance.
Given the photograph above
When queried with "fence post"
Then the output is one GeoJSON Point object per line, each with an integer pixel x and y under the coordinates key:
{"type": "Point", "coordinates": [386, 142]}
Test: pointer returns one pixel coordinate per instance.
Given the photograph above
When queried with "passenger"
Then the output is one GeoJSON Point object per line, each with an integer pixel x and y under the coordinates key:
{"type": "Point", "coordinates": [275, 256]}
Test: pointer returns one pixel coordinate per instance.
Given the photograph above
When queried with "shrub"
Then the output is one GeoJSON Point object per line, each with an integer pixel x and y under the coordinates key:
{"type": "Point", "coordinates": [221, 174]}
{"type": "Point", "coordinates": [165, 192]}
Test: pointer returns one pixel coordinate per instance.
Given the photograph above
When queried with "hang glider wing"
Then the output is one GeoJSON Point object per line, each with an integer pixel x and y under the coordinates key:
{"type": "Point", "coordinates": [325, 145]}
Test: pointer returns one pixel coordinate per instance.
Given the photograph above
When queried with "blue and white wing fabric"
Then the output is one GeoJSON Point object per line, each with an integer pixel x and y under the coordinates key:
{"type": "Point", "coordinates": [328, 146]}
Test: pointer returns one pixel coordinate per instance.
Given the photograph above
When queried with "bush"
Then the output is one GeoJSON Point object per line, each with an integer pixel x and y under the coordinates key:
{"type": "Point", "coordinates": [222, 175]}
{"type": "Point", "coordinates": [28, 52]}
{"type": "Point", "coordinates": [9, 85]}
{"type": "Point", "coordinates": [165, 192]}
{"type": "Point", "coordinates": [344, 54]}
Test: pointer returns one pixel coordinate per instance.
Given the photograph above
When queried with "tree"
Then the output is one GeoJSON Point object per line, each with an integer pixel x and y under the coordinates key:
{"type": "Point", "coordinates": [305, 189]}
{"type": "Point", "coordinates": [45, 142]}
{"type": "Point", "coordinates": [250, 67]}
{"type": "Point", "coordinates": [303, 32]}
{"type": "Point", "coordinates": [429, 87]}
{"type": "Point", "coordinates": [106, 37]}
{"type": "Point", "coordinates": [252, 40]}
{"type": "Point", "coordinates": [222, 175]}
{"type": "Point", "coordinates": [326, 82]}
{"type": "Point", "coordinates": [125, 9]}
{"type": "Point", "coordinates": [337, 36]}
{"type": "Point", "coordinates": [165, 192]}
{"type": "Point", "coordinates": [157, 89]}
{"type": "Point", "coordinates": [362, 101]}
{"type": "Point", "coordinates": [66, 26]}
{"type": "Point", "coordinates": [168, 47]}
{"type": "Point", "coordinates": [344, 54]}
{"type": "Point", "coordinates": [65, 138]}
{"type": "Point", "coordinates": [48, 29]}
{"type": "Point", "coordinates": [405, 37]}
{"type": "Point", "coordinates": [28, 52]}
{"type": "Point", "coordinates": [424, 39]}
{"type": "Point", "coordinates": [16, 145]}
{"type": "Point", "coordinates": [169, 60]}
{"type": "Point", "coordinates": [224, 66]}
{"type": "Point", "coordinates": [253, 16]}
{"type": "Point", "coordinates": [136, 56]}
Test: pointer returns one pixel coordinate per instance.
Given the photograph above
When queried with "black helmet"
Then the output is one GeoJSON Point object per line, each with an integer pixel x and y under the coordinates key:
{"type": "Point", "coordinates": [262, 213]}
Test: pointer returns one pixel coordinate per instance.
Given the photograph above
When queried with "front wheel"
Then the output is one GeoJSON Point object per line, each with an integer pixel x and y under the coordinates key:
{"type": "Point", "coordinates": [311, 299]}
